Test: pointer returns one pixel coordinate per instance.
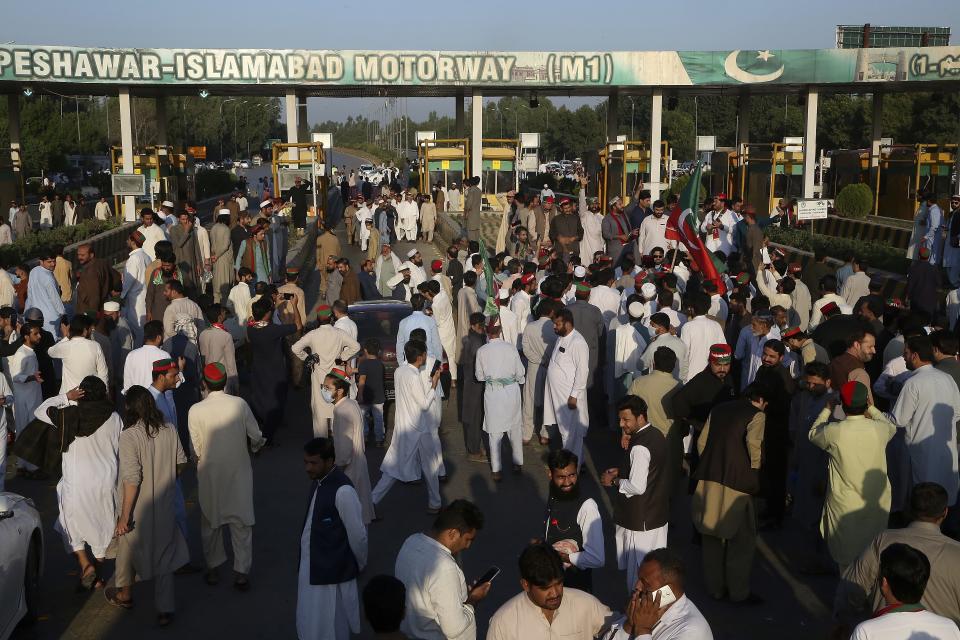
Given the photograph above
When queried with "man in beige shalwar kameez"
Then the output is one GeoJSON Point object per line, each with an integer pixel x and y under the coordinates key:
{"type": "Point", "coordinates": [219, 427]}
{"type": "Point", "coordinates": [348, 438]}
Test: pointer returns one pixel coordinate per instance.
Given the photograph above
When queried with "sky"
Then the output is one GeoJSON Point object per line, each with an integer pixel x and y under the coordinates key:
{"type": "Point", "coordinates": [491, 25]}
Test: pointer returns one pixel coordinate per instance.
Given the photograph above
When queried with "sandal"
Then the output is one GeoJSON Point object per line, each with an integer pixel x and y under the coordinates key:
{"type": "Point", "coordinates": [164, 619]}
{"type": "Point", "coordinates": [90, 580]}
{"type": "Point", "coordinates": [111, 596]}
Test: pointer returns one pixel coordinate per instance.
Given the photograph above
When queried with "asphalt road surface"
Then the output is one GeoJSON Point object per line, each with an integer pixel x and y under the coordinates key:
{"type": "Point", "coordinates": [796, 606]}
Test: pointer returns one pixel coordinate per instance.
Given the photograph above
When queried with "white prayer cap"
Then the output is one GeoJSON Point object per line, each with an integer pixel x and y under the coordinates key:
{"type": "Point", "coordinates": [111, 306]}
{"type": "Point", "coordinates": [579, 271]}
{"type": "Point", "coordinates": [265, 203]}
{"type": "Point", "coordinates": [394, 281]}
{"type": "Point", "coordinates": [406, 266]}
{"type": "Point", "coordinates": [412, 252]}
{"type": "Point", "coordinates": [166, 203]}
{"type": "Point", "coordinates": [223, 212]}
{"type": "Point", "coordinates": [503, 294]}
{"type": "Point", "coordinates": [635, 309]}
{"type": "Point", "coordinates": [648, 290]}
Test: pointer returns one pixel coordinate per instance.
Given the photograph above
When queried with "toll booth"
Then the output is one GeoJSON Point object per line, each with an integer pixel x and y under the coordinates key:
{"type": "Point", "coordinates": [500, 160]}
{"type": "Point", "coordinates": [624, 163]}
{"type": "Point", "coordinates": [304, 160]}
{"type": "Point", "coordinates": [445, 160]}
{"type": "Point", "coordinates": [844, 166]}
{"type": "Point", "coordinates": [169, 174]}
{"type": "Point", "coordinates": [763, 172]}
{"type": "Point", "coordinates": [11, 176]}
{"type": "Point", "coordinates": [906, 170]}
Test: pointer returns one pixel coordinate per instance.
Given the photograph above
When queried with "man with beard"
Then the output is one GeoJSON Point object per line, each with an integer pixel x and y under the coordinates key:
{"type": "Point", "coordinates": [566, 230]}
{"type": "Point", "coordinates": [94, 280]}
{"type": "Point", "coordinates": [641, 506]}
{"type": "Point", "coordinates": [43, 292]}
{"type": "Point", "coordinates": [547, 598]}
{"type": "Point", "coordinates": [470, 396]}
{"type": "Point", "coordinates": [240, 232]}
{"type": "Point", "coordinates": [279, 238]}
{"type": "Point", "coordinates": [849, 365]}
{"type": "Point", "coordinates": [51, 382]}
{"type": "Point", "coordinates": [653, 231]}
{"type": "Point", "coordinates": [565, 393]}
{"type": "Point", "coordinates": [417, 273]}
{"type": "Point", "coordinates": [350, 285]}
{"type": "Point", "coordinates": [402, 286]}
{"type": "Point", "coordinates": [573, 525]}
{"type": "Point", "coordinates": [298, 193]}
{"type": "Point", "coordinates": [157, 303]}
{"type": "Point", "coordinates": [334, 279]}
{"type": "Point", "coordinates": [615, 228]}
{"type": "Point", "coordinates": [386, 267]}
{"type": "Point", "coordinates": [780, 386]}
{"type": "Point", "coordinates": [498, 365]}
{"type": "Point", "coordinates": [186, 250]}
{"type": "Point", "coordinates": [694, 401]}
{"type": "Point", "coordinates": [471, 208]}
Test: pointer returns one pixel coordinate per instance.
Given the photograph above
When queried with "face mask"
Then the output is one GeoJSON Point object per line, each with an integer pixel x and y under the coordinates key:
{"type": "Point", "coordinates": [327, 396]}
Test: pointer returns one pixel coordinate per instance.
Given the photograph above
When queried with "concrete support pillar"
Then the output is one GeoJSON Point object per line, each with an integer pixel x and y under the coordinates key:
{"type": "Point", "coordinates": [161, 120]}
{"type": "Point", "coordinates": [743, 120]}
{"type": "Point", "coordinates": [303, 128]}
{"type": "Point", "coordinates": [613, 109]}
{"type": "Point", "coordinates": [877, 129]}
{"type": "Point", "coordinates": [476, 135]}
{"type": "Point", "coordinates": [458, 127]}
{"type": "Point", "coordinates": [126, 147]}
{"type": "Point", "coordinates": [810, 141]}
{"type": "Point", "coordinates": [13, 126]}
{"type": "Point", "coordinates": [656, 117]}
{"type": "Point", "coordinates": [290, 114]}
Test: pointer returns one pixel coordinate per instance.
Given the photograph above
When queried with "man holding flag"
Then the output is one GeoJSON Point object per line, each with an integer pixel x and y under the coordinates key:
{"type": "Point", "coordinates": [682, 226]}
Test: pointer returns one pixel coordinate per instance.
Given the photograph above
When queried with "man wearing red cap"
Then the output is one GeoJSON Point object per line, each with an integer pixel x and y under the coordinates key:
{"type": "Point", "coordinates": [436, 273]}
{"type": "Point", "coordinates": [857, 503]}
{"type": "Point", "coordinates": [828, 295]}
{"type": "Point", "coordinates": [524, 288]}
{"type": "Point", "coordinates": [326, 345]}
{"type": "Point", "coordinates": [219, 428]}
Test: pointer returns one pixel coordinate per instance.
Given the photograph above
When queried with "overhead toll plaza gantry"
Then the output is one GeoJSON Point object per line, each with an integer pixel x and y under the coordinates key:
{"type": "Point", "coordinates": [297, 74]}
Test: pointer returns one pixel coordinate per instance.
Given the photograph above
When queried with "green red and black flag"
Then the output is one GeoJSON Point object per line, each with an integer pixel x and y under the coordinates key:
{"type": "Point", "coordinates": [682, 226]}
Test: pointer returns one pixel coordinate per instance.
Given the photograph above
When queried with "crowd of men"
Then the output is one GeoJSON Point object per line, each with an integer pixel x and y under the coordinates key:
{"type": "Point", "coordinates": [775, 393]}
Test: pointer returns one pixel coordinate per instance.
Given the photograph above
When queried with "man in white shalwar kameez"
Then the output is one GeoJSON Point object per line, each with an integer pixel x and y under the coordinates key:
{"type": "Point", "coordinates": [520, 301]}
{"type": "Point", "coordinates": [87, 493]}
{"type": "Point", "coordinates": [592, 220]}
{"type": "Point", "coordinates": [26, 379]}
{"type": "Point", "coordinates": [411, 452]}
{"type": "Point", "coordinates": [443, 315]}
{"type": "Point", "coordinates": [43, 293]}
{"type": "Point", "coordinates": [565, 393]}
{"type": "Point", "coordinates": [219, 427]}
{"type": "Point", "coordinates": [699, 333]}
{"type": "Point", "coordinates": [328, 608]}
{"type": "Point", "coordinates": [407, 216]}
{"type": "Point", "coordinates": [239, 299]}
{"type": "Point", "coordinates": [508, 320]}
{"type": "Point", "coordinates": [348, 440]}
{"type": "Point", "coordinates": [498, 365]}
{"type": "Point", "coordinates": [134, 291]}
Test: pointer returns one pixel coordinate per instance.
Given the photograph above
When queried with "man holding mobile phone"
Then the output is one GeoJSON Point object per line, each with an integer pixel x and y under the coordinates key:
{"type": "Point", "coordinates": [439, 603]}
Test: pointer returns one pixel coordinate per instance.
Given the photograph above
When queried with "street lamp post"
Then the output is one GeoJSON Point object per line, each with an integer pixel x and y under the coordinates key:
{"type": "Point", "coordinates": [223, 102]}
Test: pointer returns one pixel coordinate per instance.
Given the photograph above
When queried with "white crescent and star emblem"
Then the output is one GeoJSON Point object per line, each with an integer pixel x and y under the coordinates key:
{"type": "Point", "coordinates": [732, 69]}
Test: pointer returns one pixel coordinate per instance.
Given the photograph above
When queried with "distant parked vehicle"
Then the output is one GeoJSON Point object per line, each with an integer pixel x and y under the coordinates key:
{"type": "Point", "coordinates": [257, 160]}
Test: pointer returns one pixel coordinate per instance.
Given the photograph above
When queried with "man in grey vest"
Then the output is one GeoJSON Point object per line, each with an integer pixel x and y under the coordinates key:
{"type": "Point", "coordinates": [641, 505]}
{"type": "Point", "coordinates": [471, 209]}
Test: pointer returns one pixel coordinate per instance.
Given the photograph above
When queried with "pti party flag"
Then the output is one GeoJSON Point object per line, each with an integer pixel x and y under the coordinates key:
{"type": "Point", "coordinates": [490, 309]}
{"type": "Point", "coordinates": [682, 226]}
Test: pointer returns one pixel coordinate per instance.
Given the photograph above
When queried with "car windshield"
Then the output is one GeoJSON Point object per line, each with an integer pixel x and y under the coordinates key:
{"type": "Point", "coordinates": [379, 323]}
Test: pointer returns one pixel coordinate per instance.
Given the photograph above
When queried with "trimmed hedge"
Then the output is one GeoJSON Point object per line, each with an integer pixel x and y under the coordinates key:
{"type": "Point", "coordinates": [26, 248]}
{"type": "Point", "coordinates": [879, 256]}
{"type": "Point", "coordinates": [854, 201]}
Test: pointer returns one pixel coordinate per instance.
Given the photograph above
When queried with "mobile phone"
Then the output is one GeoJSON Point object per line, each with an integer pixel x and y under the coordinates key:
{"type": "Point", "coordinates": [667, 597]}
{"type": "Point", "coordinates": [288, 296]}
{"type": "Point", "coordinates": [433, 372]}
{"type": "Point", "coordinates": [492, 573]}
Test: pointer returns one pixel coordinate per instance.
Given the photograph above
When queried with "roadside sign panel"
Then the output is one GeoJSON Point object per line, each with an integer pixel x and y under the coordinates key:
{"type": "Point", "coordinates": [813, 209]}
{"type": "Point", "coordinates": [128, 184]}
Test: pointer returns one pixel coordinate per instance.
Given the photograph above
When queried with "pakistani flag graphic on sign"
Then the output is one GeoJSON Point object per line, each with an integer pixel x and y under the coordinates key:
{"type": "Point", "coordinates": [748, 66]}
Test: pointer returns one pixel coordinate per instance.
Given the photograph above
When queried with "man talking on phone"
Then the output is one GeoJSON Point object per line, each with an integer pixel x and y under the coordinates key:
{"type": "Point", "coordinates": [658, 608]}
{"type": "Point", "coordinates": [440, 604]}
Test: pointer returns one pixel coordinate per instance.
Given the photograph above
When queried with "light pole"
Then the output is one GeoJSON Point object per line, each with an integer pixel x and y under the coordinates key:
{"type": "Point", "coordinates": [235, 107]}
{"type": "Point", "coordinates": [223, 102]}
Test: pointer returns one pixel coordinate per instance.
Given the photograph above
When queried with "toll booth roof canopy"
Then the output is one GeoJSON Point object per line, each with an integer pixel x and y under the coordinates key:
{"type": "Point", "coordinates": [499, 153]}
{"type": "Point", "coordinates": [359, 72]}
{"type": "Point", "coordinates": [445, 153]}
